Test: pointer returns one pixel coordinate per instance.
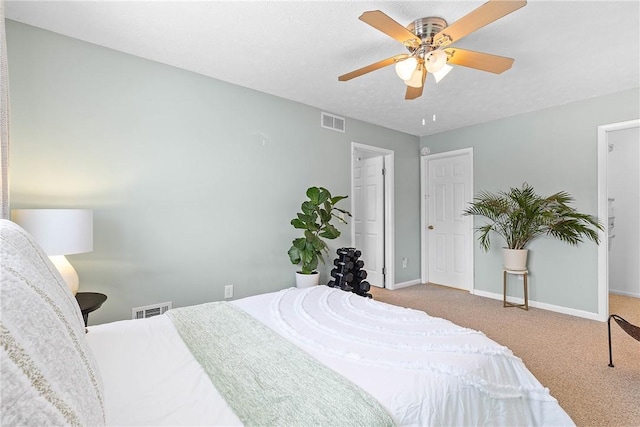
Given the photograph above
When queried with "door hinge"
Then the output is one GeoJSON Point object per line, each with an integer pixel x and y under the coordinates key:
{"type": "Point", "coordinates": [384, 171]}
{"type": "Point", "coordinates": [384, 271]}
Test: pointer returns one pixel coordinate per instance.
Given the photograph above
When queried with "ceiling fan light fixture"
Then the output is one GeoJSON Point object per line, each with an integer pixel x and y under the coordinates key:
{"type": "Point", "coordinates": [435, 60]}
{"type": "Point", "coordinates": [439, 75]}
{"type": "Point", "coordinates": [405, 68]}
{"type": "Point", "coordinates": [429, 41]}
{"type": "Point", "coordinates": [416, 78]}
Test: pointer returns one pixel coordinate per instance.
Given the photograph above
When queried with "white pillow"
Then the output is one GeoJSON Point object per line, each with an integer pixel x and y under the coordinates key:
{"type": "Point", "coordinates": [49, 375]}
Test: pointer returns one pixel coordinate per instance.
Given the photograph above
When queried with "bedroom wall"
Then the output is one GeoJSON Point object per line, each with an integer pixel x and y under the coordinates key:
{"type": "Point", "coordinates": [193, 181]}
{"type": "Point", "coordinates": [553, 150]}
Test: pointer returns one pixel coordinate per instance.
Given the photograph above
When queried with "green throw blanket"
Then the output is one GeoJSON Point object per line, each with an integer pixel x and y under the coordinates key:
{"type": "Point", "coordinates": [267, 380]}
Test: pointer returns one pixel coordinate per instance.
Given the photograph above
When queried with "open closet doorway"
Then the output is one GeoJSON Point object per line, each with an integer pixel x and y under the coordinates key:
{"type": "Point", "coordinates": [619, 211]}
{"type": "Point", "coordinates": [372, 225]}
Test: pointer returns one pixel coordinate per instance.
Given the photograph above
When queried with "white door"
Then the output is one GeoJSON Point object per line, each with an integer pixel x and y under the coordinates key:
{"type": "Point", "coordinates": [605, 132]}
{"type": "Point", "coordinates": [623, 188]}
{"type": "Point", "coordinates": [449, 233]}
{"type": "Point", "coordinates": [368, 180]}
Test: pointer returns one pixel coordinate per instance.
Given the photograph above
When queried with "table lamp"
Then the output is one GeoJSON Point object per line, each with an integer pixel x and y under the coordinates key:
{"type": "Point", "coordinates": [59, 232]}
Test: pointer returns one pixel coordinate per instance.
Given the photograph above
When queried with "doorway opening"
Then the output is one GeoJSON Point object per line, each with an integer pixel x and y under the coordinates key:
{"type": "Point", "coordinates": [446, 235]}
{"type": "Point", "coordinates": [609, 186]}
{"type": "Point", "coordinates": [372, 207]}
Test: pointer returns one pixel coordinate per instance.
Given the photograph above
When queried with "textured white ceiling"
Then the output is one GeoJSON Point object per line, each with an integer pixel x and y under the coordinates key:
{"type": "Point", "coordinates": [564, 51]}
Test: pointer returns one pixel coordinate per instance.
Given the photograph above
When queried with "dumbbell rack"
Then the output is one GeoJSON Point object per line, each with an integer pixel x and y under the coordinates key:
{"type": "Point", "coordinates": [348, 273]}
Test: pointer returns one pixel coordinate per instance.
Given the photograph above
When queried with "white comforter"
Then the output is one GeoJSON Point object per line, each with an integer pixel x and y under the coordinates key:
{"type": "Point", "coordinates": [423, 370]}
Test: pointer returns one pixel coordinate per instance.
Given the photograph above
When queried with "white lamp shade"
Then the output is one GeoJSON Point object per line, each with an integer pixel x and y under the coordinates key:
{"type": "Point", "coordinates": [435, 60]}
{"type": "Point", "coordinates": [67, 272]}
{"type": "Point", "coordinates": [416, 78]}
{"type": "Point", "coordinates": [405, 68]}
{"type": "Point", "coordinates": [58, 231]}
{"type": "Point", "coordinates": [439, 75]}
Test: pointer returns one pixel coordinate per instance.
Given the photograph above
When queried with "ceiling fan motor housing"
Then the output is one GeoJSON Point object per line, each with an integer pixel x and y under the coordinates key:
{"type": "Point", "coordinates": [426, 29]}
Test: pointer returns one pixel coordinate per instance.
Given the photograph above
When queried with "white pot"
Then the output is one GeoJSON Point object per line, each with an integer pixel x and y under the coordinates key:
{"type": "Point", "coordinates": [515, 259]}
{"type": "Point", "coordinates": [307, 280]}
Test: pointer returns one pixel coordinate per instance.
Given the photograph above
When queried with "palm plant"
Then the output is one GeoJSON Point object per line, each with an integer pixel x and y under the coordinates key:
{"type": "Point", "coordinates": [520, 215]}
{"type": "Point", "coordinates": [315, 220]}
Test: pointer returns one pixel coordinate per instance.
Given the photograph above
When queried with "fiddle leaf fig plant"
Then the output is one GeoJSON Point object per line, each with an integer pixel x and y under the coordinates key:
{"type": "Point", "coordinates": [315, 219]}
{"type": "Point", "coordinates": [520, 215]}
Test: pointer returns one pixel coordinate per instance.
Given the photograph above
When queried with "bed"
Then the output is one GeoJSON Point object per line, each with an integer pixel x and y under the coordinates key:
{"type": "Point", "coordinates": [315, 356]}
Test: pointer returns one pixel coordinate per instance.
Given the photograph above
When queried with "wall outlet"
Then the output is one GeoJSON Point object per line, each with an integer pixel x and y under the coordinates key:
{"type": "Point", "coordinates": [404, 262]}
{"type": "Point", "coordinates": [228, 291]}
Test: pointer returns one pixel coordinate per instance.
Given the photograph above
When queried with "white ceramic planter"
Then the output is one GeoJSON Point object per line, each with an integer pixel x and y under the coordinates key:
{"type": "Point", "coordinates": [515, 259]}
{"type": "Point", "coordinates": [307, 280]}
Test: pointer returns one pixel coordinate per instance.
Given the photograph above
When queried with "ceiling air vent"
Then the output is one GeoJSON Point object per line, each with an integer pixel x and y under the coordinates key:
{"type": "Point", "coordinates": [329, 121]}
{"type": "Point", "coordinates": [150, 310]}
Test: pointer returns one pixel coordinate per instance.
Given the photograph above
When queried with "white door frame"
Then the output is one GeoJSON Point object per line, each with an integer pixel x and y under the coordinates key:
{"type": "Point", "coordinates": [389, 203]}
{"type": "Point", "coordinates": [603, 213]}
{"type": "Point", "coordinates": [424, 210]}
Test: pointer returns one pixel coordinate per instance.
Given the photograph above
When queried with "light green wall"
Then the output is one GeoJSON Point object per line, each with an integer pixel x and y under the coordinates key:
{"type": "Point", "coordinates": [193, 181]}
{"type": "Point", "coordinates": [553, 149]}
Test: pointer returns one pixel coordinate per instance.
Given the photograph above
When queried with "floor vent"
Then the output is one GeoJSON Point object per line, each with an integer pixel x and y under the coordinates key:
{"type": "Point", "coordinates": [329, 121]}
{"type": "Point", "coordinates": [150, 310]}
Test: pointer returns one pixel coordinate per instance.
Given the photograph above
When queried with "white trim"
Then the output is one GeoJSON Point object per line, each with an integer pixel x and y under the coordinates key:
{"type": "Point", "coordinates": [389, 209]}
{"type": "Point", "coordinates": [603, 214]}
{"type": "Point", "coordinates": [625, 294]}
{"type": "Point", "coordinates": [407, 284]}
{"type": "Point", "coordinates": [424, 249]}
{"type": "Point", "coordinates": [541, 305]}
{"type": "Point", "coordinates": [424, 243]}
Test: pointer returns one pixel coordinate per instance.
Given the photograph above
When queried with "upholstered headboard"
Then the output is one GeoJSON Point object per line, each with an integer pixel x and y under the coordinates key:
{"type": "Point", "coordinates": [49, 375]}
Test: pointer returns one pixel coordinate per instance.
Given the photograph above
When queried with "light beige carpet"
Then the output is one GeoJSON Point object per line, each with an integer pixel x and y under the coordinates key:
{"type": "Point", "coordinates": [567, 354]}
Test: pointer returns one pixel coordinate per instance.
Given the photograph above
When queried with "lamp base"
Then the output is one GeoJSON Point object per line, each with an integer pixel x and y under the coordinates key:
{"type": "Point", "coordinates": [67, 272]}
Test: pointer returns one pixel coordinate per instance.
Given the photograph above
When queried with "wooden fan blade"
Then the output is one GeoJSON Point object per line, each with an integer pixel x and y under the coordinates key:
{"type": "Point", "coordinates": [416, 92]}
{"type": "Point", "coordinates": [485, 14]}
{"type": "Point", "coordinates": [372, 67]}
{"type": "Point", "coordinates": [380, 21]}
{"type": "Point", "coordinates": [478, 60]}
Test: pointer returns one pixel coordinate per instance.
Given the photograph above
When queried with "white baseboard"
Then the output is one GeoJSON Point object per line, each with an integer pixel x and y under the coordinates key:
{"type": "Point", "coordinates": [541, 305]}
{"type": "Point", "coordinates": [406, 284]}
{"type": "Point", "coordinates": [624, 294]}
{"type": "Point", "coordinates": [516, 300]}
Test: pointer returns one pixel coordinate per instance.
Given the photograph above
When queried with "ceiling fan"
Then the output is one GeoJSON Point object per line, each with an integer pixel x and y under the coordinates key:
{"type": "Point", "coordinates": [428, 40]}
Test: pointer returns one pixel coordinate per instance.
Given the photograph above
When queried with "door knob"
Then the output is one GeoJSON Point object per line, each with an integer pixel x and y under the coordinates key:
{"type": "Point", "coordinates": [430, 227]}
